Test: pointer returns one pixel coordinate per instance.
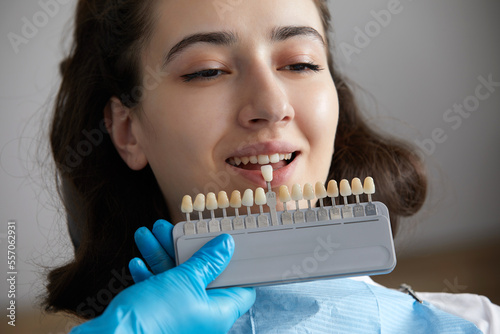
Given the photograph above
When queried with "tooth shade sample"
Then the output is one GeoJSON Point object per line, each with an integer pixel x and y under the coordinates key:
{"type": "Point", "coordinates": [235, 199]}
{"type": "Point", "coordinates": [267, 172]}
{"type": "Point", "coordinates": [247, 199]}
{"type": "Point", "coordinates": [308, 191]}
{"type": "Point", "coordinates": [263, 159]}
{"type": "Point", "coordinates": [357, 187]}
{"type": "Point", "coordinates": [222, 200]}
{"type": "Point", "coordinates": [284, 194]}
{"type": "Point", "coordinates": [199, 203]}
{"type": "Point", "coordinates": [320, 190]}
{"type": "Point", "coordinates": [187, 204]}
{"type": "Point", "coordinates": [245, 160]}
{"type": "Point", "coordinates": [369, 186]}
{"type": "Point", "coordinates": [333, 189]}
{"type": "Point", "coordinates": [296, 192]}
{"type": "Point", "coordinates": [345, 188]}
{"type": "Point", "coordinates": [254, 159]}
{"type": "Point", "coordinates": [274, 158]}
{"type": "Point", "coordinates": [211, 203]}
{"type": "Point", "coordinates": [260, 196]}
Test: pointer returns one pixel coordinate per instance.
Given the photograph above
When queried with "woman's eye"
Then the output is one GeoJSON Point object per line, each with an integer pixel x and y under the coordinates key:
{"type": "Point", "coordinates": [203, 75]}
{"type": "Point", "coordinates": [303, 67]}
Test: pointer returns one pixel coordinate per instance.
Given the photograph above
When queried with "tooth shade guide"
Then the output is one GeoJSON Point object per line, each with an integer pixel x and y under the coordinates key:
{"type": "Point", "coordinates": [262, 219]}
{"type": "Point", "coordinates": [258, 252]}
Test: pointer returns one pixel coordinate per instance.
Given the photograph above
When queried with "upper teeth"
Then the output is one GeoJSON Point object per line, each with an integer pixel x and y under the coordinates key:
{"type": "Point", "coordinates": [260, 159]}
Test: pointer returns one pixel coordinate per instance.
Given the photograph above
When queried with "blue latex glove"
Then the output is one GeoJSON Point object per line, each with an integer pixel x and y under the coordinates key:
{"type": "Point", "coordinates": [175, 301]}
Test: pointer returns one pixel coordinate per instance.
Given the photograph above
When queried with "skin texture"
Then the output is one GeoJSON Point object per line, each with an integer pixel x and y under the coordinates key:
{"type": "Point", "coordinates": [257, 95]}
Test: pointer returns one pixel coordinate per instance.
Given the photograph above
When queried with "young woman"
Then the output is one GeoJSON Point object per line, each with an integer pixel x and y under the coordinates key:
{"type": "Point", "coordinates": [162, 98]}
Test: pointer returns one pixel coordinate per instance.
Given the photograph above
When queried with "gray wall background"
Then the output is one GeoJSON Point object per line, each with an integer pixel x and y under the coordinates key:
{"type": "Point", "coordinates": [417, 65]}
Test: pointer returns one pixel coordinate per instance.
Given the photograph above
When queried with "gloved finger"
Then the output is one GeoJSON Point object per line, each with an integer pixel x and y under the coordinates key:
{"type": "Point", "coordinates": [232, 302]}
{"type": "Point", "coordinates": [162, 230]}
{"type": "Point", "coordinates": [154, 254]}
{"type": "Point", "coordinates": [210, 260]}
{"type": "Point", "coordinates": [139, 270]}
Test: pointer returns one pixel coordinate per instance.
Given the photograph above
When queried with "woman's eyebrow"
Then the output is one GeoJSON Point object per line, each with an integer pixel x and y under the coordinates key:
{"type": "Point", "coordinates": [282, 33]}
{"type": "Point", "coordinates": [228, 38]}
{"type": "Point", "coordinates": [217, 38]}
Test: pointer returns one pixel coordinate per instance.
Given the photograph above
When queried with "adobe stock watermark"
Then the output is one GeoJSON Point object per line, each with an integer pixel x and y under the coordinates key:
{"type": "Point", "coordinates": [31, 26]}
{"type": "Point", "coordinates": [225, 6]}
{"type": "Point", "coordinates": [364, 36]}
{"type": "Point", "coordinates": [94, 137]}
{"type": "Point", "coordinates": [455, 116]}
{"type": "Point", "coordinates": [310, 264]}
{"type": "Point", "coordinates": [93, 305]}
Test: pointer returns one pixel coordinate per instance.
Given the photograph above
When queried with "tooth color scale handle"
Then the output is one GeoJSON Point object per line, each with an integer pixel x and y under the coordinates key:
{"type": "Point", "coordinates": [295, 252]}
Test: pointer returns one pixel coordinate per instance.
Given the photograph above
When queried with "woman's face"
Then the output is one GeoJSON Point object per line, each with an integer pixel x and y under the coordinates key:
{"type": "Point", "coordinates": [240, 79]}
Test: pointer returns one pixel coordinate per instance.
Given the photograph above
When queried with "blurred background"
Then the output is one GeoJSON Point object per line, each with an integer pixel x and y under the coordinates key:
{"type": "Point", "coordinates": [427, 71]}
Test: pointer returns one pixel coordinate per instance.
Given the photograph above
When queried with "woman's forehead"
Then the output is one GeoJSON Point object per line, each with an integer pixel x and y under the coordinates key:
{"type": "Point", "coordinates": [245, 20]}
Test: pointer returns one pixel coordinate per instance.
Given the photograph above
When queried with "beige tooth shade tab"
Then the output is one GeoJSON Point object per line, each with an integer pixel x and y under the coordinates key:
{"type": "Point", "coordinates": [284, 194]}
{"type": "Point", "coordinates": [320, 190]}
{"type": "Point", "coordinates": [369, 186]}
{"type": "Point", "coordinates": [267, 172]}
{"type": "Point", "coordinates": [187, 204]}
{"type": "Point", "coordinates": [222, 200]}
{"type": "Point", "coordinates": [357, 187]}
{"type": "Point", "coordinates": [247, 199]}
{"type": "Point", "coordinates": [260, 196]}
{"type": "Point", "coordinates": [296, 192]}
{"type": "Point", "coordinates": [308, 192]}
{"type": "Point", "coordinates": [333, 189]}
{"type": "Point", "coordinates": [199, 203]}
{"type": "Point", "coordinates": [235, 199]}
{"type": "Point", "coordinates": [211, 203]}
{"type": "Point", "coordinates": [345, 188]}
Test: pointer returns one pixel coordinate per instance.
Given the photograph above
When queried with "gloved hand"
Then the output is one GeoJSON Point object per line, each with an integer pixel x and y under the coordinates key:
{"type": "Point", "coordinates": [176, 301]}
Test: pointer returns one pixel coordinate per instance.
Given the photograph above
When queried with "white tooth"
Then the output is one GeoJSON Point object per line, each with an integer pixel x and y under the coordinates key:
{"type": "Point", "coordinates": [260, 196]}
{"type": "Point", "coordinates": [254, 159]}
{"type": "Point", "coordinates": [211, 201]}
{"type": "Point", "coordinates": [308, 191]}
{"type": "Point", "coordinates": [237, 161]}
{"type": "Point", "coordinates": [222, 200]}
{"type": "Point", "coordinates": [199, 203]}
{"type": "Point", "coordinates": [274, 158]}
{"type": "Point", "coordinates": [369, 186]}
{"type": "Point", "coordinates": [357, 188]}
{"type": "Point", "coordinates": [245, 160]}
{"type": "Point", "coordinates": [288, 156]}
{"type": "Point", "coordinates": [187, 204]}
{"type": "Point", "coordinates": [333, 189]}
{"type": "Point", "coordinates": [235, 199]}
{"type": "Point", "coordinates": [267, 172]}
{"type": "Point", "coordinates": [231, 161]}
{"type": "Point", "coordinates": [319, 189]}
{"type": "Point", "coordinates": [247, 199]}
{"type": "Point", "coordinates": [263, 159]}
{"type": "Point", "coordinates": [282, 156]}
{"type": "Point", "coordinates": [284, 194]}
{"type": "Point", "coordinates": [296, 192]}
{"type": "Point", "coordinates": [345, 188]}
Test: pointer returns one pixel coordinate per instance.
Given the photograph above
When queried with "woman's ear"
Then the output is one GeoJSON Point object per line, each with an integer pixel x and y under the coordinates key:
{"type": "Point", "coordinates": [119, 120]}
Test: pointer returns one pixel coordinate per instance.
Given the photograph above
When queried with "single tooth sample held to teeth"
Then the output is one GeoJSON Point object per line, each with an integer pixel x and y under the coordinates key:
{"type": "Point", "coordinates": [348, 239]}
{"type": "Point", "coordinates": [267, 173]}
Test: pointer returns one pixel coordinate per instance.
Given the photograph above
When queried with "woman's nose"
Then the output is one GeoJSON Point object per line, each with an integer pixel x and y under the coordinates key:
{"type": "Point", "coordinates": [266, 102]}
